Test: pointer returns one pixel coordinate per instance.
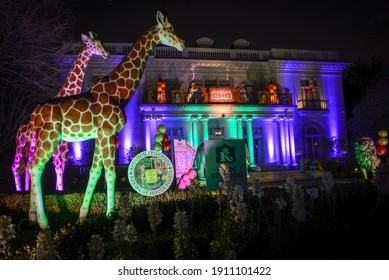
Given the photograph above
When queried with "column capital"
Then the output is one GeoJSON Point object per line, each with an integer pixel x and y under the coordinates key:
{"type": "Point", "coordinates": [194, 117]}
{"type": "Point", "coordinates": [239, 117]}
{"type": "Point", "coordinates": [205, 117]}
{"type": "Point", "coordinates": [249, 117]}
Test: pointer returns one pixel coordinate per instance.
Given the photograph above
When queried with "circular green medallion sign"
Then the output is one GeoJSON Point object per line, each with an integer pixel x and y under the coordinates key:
{"type": "Point", "coordinates": [150, 173]}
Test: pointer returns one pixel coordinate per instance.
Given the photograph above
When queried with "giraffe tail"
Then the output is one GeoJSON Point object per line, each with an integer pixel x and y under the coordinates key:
{"type": "Point", "coordinates": [26, 149]}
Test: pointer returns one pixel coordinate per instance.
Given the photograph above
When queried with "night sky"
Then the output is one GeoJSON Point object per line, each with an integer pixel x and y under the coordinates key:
{"type": "Point", "coordinates": [356, 29]}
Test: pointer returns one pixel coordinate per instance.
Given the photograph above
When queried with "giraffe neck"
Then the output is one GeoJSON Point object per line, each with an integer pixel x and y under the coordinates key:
{"type": "Point", "coordinates": [124, 79]}
{"type": "Point", "coordinates": [75, 78]}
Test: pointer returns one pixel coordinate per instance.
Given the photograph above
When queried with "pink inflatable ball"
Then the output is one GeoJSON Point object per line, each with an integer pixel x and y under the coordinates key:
{"type": "Point", "coordinates": [185, 178]}
{"type": "Point", "coordinates": [181, 185]}
{"type": "Point", "coordinates": [192, 174]}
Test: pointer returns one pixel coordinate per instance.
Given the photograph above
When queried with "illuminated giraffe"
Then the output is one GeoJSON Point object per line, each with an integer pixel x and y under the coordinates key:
{"type": "Point", "coordinates": [71, 86]}
{"type": "Point", "coordinates": [97, 114]}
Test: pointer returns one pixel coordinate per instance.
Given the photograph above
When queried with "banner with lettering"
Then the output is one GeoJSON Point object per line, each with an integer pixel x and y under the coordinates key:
{"type": "Point", "coordinates": [184, 155]}
{"type": "Point", "coordinates": [230, 151]}
{"type": "Point", "coordinates": [221, 95]}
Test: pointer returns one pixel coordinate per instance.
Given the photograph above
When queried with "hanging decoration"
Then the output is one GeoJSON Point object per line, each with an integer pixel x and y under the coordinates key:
{"type": "Point", "coordinates": [161, 92]}
{"type": "Point", "coordinates": [161, 140]}
{"type": "Point", "coordinates": [382, 142]}
{"type": "Point", "coordinates": [272, 88]}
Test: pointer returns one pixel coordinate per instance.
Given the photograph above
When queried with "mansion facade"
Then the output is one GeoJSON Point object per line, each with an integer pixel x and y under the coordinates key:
{"type": "Point", "coordinates": [283, 102]}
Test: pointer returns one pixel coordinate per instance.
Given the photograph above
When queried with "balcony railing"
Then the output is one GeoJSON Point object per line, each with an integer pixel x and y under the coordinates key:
{"type": "Point", "coordinates": [220, 54]}
{"type": "Point", "coordinates": [306, 104]}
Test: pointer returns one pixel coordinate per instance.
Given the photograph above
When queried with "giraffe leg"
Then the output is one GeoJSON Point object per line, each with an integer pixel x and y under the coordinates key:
{"type": "Point", "coordinates": [59, 159]}
{"type": "Point", "coordinates": [27, 177]}
{"type": "Point", "coordinates": [15, 167]}
{"type": "Point", "coordinates": [94, 175]}
{"type": "Point", "coordinates": [110, 172]}
{"type": "Point", "coordinates": [46, 143]}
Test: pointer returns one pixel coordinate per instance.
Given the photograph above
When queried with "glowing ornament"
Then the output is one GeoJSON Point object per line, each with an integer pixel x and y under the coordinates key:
{"type": "Point", "coordinates": [381, 150]}
{"type": "Point", "coordinates": [165, 138]}
{"type": "Point", "coordinates": [382, 133]}
{"type": "Point", "coordinates": [166, 146]}
{"type": "Point", "coordinates": [161, 128]}
{"type": "Point", "coordinates": [383, 141]}
{"type": "Point", "coordinates": [157, 147]}
{"type": "Point", "coordinates": [158, 137]}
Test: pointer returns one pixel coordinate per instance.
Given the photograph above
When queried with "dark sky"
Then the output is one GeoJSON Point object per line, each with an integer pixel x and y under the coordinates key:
{"type": "Point", "coordinates": [357, 29]}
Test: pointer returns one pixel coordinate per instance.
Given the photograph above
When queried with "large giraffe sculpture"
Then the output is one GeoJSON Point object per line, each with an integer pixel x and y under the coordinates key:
{"type": "Point", "coordinates": [97, 114]}
{"type": "Point", "coordinates": [71, 86]}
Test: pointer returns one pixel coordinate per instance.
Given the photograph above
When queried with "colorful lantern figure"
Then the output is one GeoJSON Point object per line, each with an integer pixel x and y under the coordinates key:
{"type": "Point", "coordinates": [366, 155]}
{"type": "Point", "coordinates": [272, 88]}
{"type": "Point", "coordinates": [161, 89]}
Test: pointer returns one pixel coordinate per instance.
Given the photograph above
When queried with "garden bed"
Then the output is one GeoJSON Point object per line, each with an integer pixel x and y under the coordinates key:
{"type": "Point", "coordinates": [289, 221]}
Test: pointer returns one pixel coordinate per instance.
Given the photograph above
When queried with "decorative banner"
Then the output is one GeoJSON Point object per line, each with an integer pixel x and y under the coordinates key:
{"type": "Point", "coordinates": [150, 173]}
{"type": "Point", "coordinates": [272, 88]}
{"type": "Point", "coordinates": [221, 95]}
{"type": "Point", "coordinates": [190, 155]}
{"type": "Point", "coordinates": [231, 151]}
{"type": "Point", "coordinates": [184, 154]}
{"type": "Point", "coordinates": [161, 92]}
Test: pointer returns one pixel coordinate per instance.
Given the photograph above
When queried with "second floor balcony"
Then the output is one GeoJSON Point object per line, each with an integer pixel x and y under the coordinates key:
{"type": "Point", "coordinates": [312, 104]}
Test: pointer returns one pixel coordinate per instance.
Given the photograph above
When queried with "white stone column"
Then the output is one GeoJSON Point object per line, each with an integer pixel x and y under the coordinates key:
{"type": "Point", "coordinates": [205, 127]}
{"type": "Point", "coordinates": [195, 135]}
{"type": "Point", "coordinates": [239, 126]}
{"type": "Point", "coordinates": [287, 144]}
{"type": "Point", "coordinates": [250, 139]}
{"type": "Point", "coordinates": [148, 137]}
{"type": "Point", "coordinates": [291, 143]}
{"type": "Point", "coordinates": [281, 141]}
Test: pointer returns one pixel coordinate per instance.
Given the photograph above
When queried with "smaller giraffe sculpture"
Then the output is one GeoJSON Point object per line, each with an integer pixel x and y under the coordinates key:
{"type": "Point", "coordinates": [97, 114]}
{"type": "Point", "coordinates": [72, 86]}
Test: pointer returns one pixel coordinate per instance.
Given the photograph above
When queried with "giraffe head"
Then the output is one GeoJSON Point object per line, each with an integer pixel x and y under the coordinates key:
{"type": "Point", "coordinates": [166, 33]}
{"type": "Point", "coordinates": [94, 45]}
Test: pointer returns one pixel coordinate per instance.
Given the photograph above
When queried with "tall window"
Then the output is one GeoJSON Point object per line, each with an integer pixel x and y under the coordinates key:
{"type": "Point", "coordinates": [310, 94]}
{"type": "Point", "coordinates": [312, 142]}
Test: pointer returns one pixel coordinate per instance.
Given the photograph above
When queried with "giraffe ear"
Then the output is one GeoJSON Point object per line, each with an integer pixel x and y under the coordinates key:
{"type": "Point", "coordinates": [84, 38]}
{"type": "Point", "coordinates": [160, 18]}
